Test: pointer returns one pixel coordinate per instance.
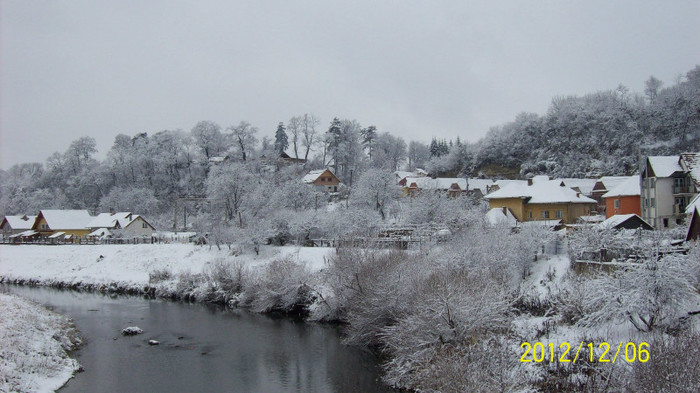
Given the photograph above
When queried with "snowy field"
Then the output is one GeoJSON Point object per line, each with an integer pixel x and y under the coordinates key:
{"type": "Point", "coordinates": [128, 266]}
{"type": "Point", "coordinates": [33, 344]}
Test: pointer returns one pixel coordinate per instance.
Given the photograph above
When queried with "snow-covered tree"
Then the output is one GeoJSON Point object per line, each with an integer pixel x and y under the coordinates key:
{"type": "Point", "coordinates": [281, 142]}
{"type": "Point", "coordinates": [244, 140]}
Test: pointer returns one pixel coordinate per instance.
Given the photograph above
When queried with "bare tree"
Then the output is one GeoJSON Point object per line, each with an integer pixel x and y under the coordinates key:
{"type": "Point", "coordinates": [309, 124]}
{"type": "Point", "coordinates": [295, 129]}
{"type": "Point", "coordinates": [244, 138]}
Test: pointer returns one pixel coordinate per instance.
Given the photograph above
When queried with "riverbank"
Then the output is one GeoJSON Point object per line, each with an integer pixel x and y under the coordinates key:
{"type": "Point", "coordinates": [33, 347]}
{"type": "Point", "coordinates": [135, 269]}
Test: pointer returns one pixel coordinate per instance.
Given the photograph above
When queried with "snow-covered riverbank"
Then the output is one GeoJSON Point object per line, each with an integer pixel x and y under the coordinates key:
{"type": "Point", "coordinates": [33, 345]}
{"type": "Point", "coordinates": [130, 266]}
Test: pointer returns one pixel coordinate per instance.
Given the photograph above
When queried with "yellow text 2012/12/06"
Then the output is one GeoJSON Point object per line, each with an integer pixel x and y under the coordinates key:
{"type": "Point", "coordinates": [601, 353]}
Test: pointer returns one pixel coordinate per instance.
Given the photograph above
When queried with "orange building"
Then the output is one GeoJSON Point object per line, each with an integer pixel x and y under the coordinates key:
{"type": "Point", "coordinates": [624, 198]}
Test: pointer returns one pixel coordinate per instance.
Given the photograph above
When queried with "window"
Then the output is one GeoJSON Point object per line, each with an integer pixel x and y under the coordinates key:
{"type": "Point", "coordinates": [559, 214]}
{"type": "Point", "coordinates": [545, 214]}
{"type": "Point", "coordinates": [617, 203]}
{"type": "Point", "coordinates": [529, 214]}
{"type": "Point", "coordinates": [144, 225]}
{"type": "Point", "coordinates": [665, 222]}
{"type": "Point", "coordinates": [652, 201]}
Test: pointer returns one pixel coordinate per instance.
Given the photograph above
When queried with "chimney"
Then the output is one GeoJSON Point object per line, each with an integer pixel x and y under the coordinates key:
{"type": "Point", "coordinates": [529, 181]}
{"type": "Point", "coordinates": [505, 211]}
{"type": "Point", "coordinates": [111, 211]}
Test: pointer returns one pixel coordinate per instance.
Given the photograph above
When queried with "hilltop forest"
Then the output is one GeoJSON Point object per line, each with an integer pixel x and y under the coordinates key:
{"type": "Point", "coordinates": [601, 133]}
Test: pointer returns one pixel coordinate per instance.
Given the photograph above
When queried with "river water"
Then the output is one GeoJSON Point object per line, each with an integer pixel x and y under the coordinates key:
{"type": "Point", "coordinates": [203, 348]}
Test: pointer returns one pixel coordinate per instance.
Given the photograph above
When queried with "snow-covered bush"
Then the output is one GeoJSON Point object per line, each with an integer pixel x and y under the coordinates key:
{"type": "Point", "coordinates": [159, 275]}
{"type": "Point", "coordinates": [371, 289]}
{"type": "Point", "coordinates": [481, 366]}
{"type": "Point", "coordinates": [225, 279]}
{"type": "Point", "coordinates": [674, 365]}
{"type": "Point", "coordinates": [281, 286]}
{"type": "Point", "coordinates": [650, 295]}
{"type": "Point", "coordinates": [450, 307]}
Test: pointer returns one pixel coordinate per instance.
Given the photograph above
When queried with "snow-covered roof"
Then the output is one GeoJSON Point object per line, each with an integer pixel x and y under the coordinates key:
{"type": "Point", "coordinates": [585, 185]}
{"type": "Point", "coordinates": [110, 220]}
{"type": "Point", "coordinates": [439, 183]}
{"type": "Point", "coordinates": [610, 182]}
{"type": "Point", "coordinates": [692, 164]}
{"type": "Point", "coordinates": [665, 166]}
{"type": "Point", "coordinates": [504, 183]}
{"type": "Point", "coordinates": [315, 174]}
{"type": "Point", "coordinates": [618, 219]}
{"type": "Point", "coordinates": [544, 223]}
{"type": "Point", "coordinates": [498, 218]}
{"type": "Point", "coordinates": [629, 187]}
{"type": "Point", "coordinates": [402, 174]}
{"type": "Point", "coordinates": [66, 219]}
{"type": "Point", "coordinates": [551, 191]}
{"type": "Point", "coordinates": [592, 219]}
{"type": "Point", "coordinates": [23, 234]}
{"type": "Point", "coordinates": [480, 184]}
{"type": "Point", "coordinates": [693, 204]}
{"type": "Point", "coordinates": [100, 232]}
{"type": "Point", "coordinates": [57, 235]}
{"type": "Point", "coordinates": [20, 222]}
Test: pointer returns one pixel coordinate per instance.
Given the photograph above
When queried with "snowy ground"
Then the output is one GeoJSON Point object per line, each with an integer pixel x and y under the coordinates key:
{"type": "Point", "coordinates": [128, 266]}
{"type": "Point", "coordinates": [33, 344]}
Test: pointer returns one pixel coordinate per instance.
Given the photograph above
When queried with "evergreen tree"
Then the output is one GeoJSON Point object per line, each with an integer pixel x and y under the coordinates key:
{"type": "Point", "coordinates": [281, 142]}
{"type": "Point", "coordinates": [334, 138]}
{"type": "Point", "coordinates": [434, 148]}
{"type": "Point", "coordinates": [369, 138]}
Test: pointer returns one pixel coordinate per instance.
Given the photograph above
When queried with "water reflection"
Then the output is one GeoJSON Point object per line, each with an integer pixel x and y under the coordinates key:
{"type": "Point", "coordinates": [203, 348]}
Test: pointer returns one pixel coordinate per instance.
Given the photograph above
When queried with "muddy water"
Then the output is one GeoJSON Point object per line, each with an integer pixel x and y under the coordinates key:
{"type": "Point", "coordinates": [203, 349]}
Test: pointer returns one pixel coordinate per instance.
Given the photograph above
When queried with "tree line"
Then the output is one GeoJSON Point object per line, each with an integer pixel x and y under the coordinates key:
{"type": "Point", "coordinates": [602, 133]}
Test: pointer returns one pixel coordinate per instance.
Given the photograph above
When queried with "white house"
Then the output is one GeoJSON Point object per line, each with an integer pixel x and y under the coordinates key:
{"type": "Point", "coordinates": [128, 223]}
{"type": "Point", "coordinates": [668, 184]}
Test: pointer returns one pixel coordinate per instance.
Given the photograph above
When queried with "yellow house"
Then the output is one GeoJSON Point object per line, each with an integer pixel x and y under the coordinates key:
{"type": "Point", "coordinates": [542, 200]}
{"type": "Point", "coordinates": [323, 180]}
{"type": "Point", "coordinates": [70, 223]}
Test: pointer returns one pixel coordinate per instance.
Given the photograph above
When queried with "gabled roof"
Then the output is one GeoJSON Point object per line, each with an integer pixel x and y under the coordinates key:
{"type": "Point", "coordinates": [19, 222]}
{"type": "Point", "coordinates": [480, 184]}
{"type": "Point", "coordinates": [619, 220]}
{"type": "Point", "coordinates": [665, 166]}
{"type": "Point", "coordinates": [607, 183]}
{"type": "Point", "coordinates": [549, 191]}
{"type": "Point", "coordinates": [629, 187]}
{"type": "Point", "coordinates": [497, 217]}
{"type": "Point", "coordinates": [119, 220]}
{"type": "Point", "coordinates": [65, 219]}
{"type": "Point", "coordinates": [693, 204]}
{"type": "Point", "coordinates": [109, 220]}
{"type": "Point", "coordinates": [692, 163]}
{"type": "Point", "coordinates": [439, 183]}
{"type": "Point", "coordinates": [694, 225]}
{"type": "Point", "coordinates": [584, 185]}
{"type": "Point", "coordinates": [315, 174]}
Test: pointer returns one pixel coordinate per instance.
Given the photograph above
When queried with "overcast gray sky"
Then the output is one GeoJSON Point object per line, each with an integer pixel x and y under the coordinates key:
{"type": "Point", "coordinates": [414, 68]}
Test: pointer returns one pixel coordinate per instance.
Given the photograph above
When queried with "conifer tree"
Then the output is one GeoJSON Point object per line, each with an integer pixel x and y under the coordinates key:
{"type": "Point", "coordinates": [281, 142]}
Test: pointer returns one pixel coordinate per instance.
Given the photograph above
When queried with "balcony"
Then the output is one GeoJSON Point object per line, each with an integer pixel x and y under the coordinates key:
{"type": "Point", "coordinates": [678, 210]}
{"type": "Point", "coordinates": [678, 190]}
